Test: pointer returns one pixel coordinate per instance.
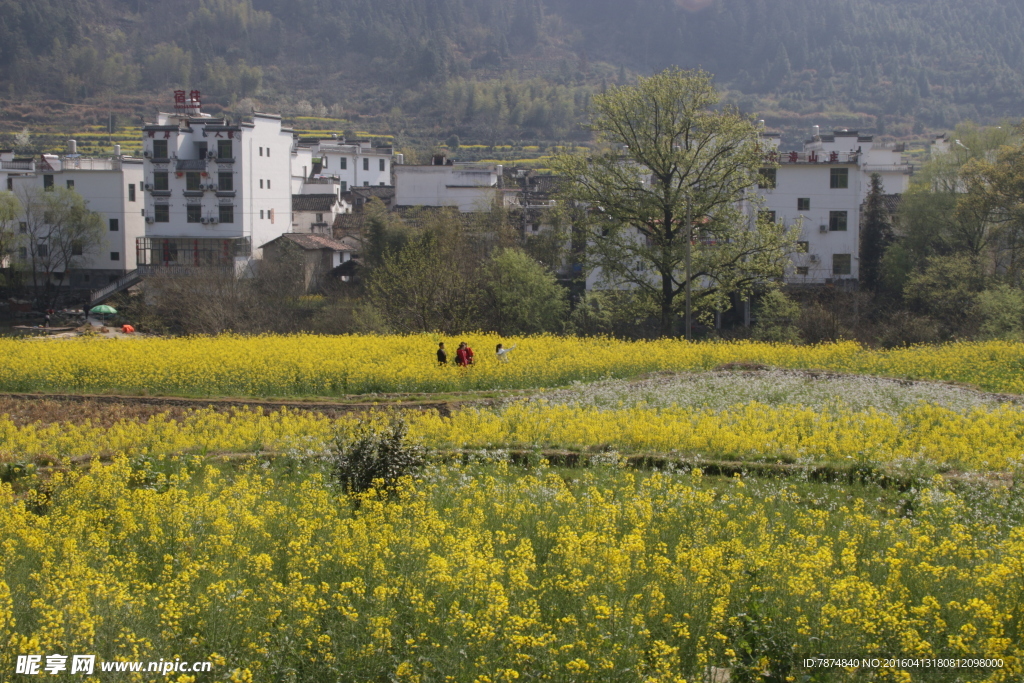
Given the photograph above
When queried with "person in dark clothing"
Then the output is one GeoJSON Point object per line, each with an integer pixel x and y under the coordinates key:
{"type": "Point", "coordinates": [442, 355]}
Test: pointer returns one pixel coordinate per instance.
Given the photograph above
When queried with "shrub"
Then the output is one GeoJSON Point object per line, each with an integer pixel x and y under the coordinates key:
{"type": "Point", "coordinates": [374, 455]}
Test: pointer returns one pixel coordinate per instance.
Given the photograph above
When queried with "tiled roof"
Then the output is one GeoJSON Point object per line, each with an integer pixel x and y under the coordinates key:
{"type": "Point", "coordinates": [315, 242]}
{"type": "Point", "coordinates": [320, 203]}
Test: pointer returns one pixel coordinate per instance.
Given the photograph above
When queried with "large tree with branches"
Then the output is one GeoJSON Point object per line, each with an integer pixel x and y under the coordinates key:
{"type": "Point", "coordinates": [673, 182]}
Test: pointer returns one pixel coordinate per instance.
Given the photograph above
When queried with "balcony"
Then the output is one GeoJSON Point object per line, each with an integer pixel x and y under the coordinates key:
{"type": "Point", "coordinates": [224, 160]}
{"type": "Point", "coordinates": [194, 193]}
{"type": "Point", "coordinates": [225, 193]}
{"type": "Point", "coordinates": [28, 165]}
{"type": "Point", "coordinates": [160, 193]}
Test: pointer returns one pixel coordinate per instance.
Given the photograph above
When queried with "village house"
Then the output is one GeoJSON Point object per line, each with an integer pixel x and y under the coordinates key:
{"type": "Point", "coordinates": [823, 187]}
{"type": "Point", "coordinates": [322, 256]}
{"type": "Point", "coordinates": [112, 188]}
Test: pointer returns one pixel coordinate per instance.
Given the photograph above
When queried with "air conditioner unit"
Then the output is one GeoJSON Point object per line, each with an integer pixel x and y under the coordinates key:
{"type": "Point", "coordinates": [150, 219]}
{"type": "Point", "coordinates": [813, 258]}
{"type": "Point", "coordinates": [149, 186]}
{"type": "Point", "coordinates": [204, 220]}
{"type": "Point", "coordinates": [211, 154]}
{"type": "Point", "coordinates": [822, 228]}
{"type": "Point", "coordinates": [215, 220]}
{"type": "Point", "coordinates": [147, 154]}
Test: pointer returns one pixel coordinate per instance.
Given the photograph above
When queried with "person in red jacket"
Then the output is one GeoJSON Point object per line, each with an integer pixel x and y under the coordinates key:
{"type": "Point", "coordinates": [461, 357]}
{"type": "Point", "coordinates": [469, 355]}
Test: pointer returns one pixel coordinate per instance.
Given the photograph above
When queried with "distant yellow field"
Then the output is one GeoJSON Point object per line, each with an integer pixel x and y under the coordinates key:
{"type": "Point", "coordinates": [308, 365]}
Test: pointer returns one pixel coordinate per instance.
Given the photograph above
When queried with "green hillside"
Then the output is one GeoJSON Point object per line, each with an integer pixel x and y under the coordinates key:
{"type": "Point", "coordinates": [507, 71]}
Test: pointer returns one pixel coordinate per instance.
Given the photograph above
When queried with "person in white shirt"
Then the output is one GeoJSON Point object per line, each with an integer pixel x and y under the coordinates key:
{"type": "Point", "coordinates": [502, 353]}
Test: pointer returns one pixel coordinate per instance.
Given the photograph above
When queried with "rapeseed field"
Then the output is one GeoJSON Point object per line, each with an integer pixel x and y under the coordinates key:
{"type": "Point", "coordinates": [488, 572]}
{"type": "Point", "coordinates": [306, 365]}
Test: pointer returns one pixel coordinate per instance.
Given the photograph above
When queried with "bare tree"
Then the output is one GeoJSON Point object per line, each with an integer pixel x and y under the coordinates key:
{"type": "Point", "coordinates": [61, 233]}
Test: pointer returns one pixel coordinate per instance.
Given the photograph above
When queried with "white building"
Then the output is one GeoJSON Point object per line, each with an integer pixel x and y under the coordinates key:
{"type": "Point", "coordinates": [215, 190]}
{"type": "Point", "coordinates": [355, 164]}
{"type": "Point", "coordinates": [469, 187]}
{"type": "Point", "coordinates": [111, 188]}
{"type": "Point", "coordinates": [823, 187]}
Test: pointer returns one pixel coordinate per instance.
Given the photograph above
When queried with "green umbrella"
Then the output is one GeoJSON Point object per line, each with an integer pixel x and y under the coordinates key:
{"type": "Point", "coordinates": [103, 309]}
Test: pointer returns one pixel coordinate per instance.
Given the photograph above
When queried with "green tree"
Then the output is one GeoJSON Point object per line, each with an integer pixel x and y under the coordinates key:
{"type": "Point", "coordinates": [10, 239]}
{"type": "Point", "coordinates": [670, 155]}
{"type": "Point", "coordinates": [946, 290]}
{"type": "Point", "coordinates": [427, 285]}
{"type": "Point", "coordinates": [519, 296]}
{"type": "Point", "coordinates": [876, 235]}
{"type": "Point", "coordinates": [776, 318]}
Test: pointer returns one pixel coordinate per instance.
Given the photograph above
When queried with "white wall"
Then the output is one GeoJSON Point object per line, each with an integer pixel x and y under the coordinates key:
{"type": "Point", "coordinates": [103, 183]}
{"type": "Point", "coordinates": [470, 187]}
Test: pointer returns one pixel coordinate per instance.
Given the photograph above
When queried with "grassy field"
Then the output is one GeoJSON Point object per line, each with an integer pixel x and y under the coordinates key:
{"type": "Point", "coordinates": [125, 534]}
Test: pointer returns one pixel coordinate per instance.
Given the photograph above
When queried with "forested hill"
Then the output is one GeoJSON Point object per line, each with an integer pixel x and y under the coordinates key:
{"type": "Point", "coordinates": [524, 68]}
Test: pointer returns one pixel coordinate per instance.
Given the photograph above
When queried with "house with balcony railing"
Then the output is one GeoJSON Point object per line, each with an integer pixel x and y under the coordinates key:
{"type": "Point", "coordinates": [214, 188]}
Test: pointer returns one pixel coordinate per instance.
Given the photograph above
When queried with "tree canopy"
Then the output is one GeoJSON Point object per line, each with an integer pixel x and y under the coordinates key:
{"type": "Point", "coordinates": [673, 173]}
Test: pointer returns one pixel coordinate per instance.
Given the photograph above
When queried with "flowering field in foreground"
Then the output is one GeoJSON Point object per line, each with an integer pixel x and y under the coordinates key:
{"type": "Point", "coordinates": [305, 365]}
{"type": "Point", "coordinates": [981, 438]}
{"type": "Point", "coordinates": [489, 573]}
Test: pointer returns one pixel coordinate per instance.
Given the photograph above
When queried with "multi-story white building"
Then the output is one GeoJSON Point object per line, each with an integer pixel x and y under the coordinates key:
{"type": "Point", "coordinates": [357, 163]}
{"type": "Point", "coordinates": [822, 188]}
{"type": "Point", "coordinates": [215, 190]}
{"type": "Point", "coordinates": [113, 189]}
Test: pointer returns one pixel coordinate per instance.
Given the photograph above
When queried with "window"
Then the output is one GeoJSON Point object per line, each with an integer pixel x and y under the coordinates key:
{"type": "Point", "coordinates": [766, 178]}
{"type": "Point", "coordinates": [159, 149]}
{"type": "Point", "coordinates": [23, 253]}
{"type": "Point", "coordinates": [802, 270]}
{"type": "Point", "coordinates": [42, 250]}
{"type": "Point", "coordinates": [268, 151]}
{"type": "Point", "coordinates": [23, 227]}
{"type": "Point", "coordinates": [344, 186]}
{"type": "Point", "coordinates": [225, 182]}
{"type": "Point", "coordinates": [193, 213]}
{"type": "Point", "coordinates": [366, 164]}
{"type": "Point", "coordinates": [76, 248]}
{"type": "Point", "coordinates": [535, 227]}
{"type": "Point", "coordinates": [319, 218]}
{"type": "Point", "coordinates": [160, 181]}
{"type": "Point", "coordinates": [366, 183]}
{"type": "Point", "coordinates": [115, 256]}
{"type": "Point", "coordinates": [10, 184]}
{"type": "Point", "coordinates": [268, 183]}
{"type": "Point", "coordinates": [261, 151]}
{"type": "Point", "coordinates": [114, 227]}
{"type": "Point", "coordinates": [48, 182]}
{"type": "Point", "coordinates": [382, 183]}
{"type": "Point", "coordinates": [836, 221]}
{"type": "Point", "coordinates": [224, 149]}
{"type": "Point", "coordinates": [192, 181]}
{"type": "Point", "coordinates": [261, 183]}
{"type": "Point", "coordinates": [803, 204]}
{"type": "Point", "coordinates": [839, 179]}
{"type": "Point", "coordinates": [227, 213]}
{"type": "Point", "coordinates": [71, 184]}
{"type": "Point", "coordinates": [131, 192]}
{"type": "Point", "coordinates": [201, 150]}
{"type": "Point", "coordinates": [801, 247]}
{"type": "Point", "coordinates": [768, 216]}
{"type": "Point", "coordinates": [840, 264]}
{"type": "Point", "coordinates": [162, 213]}
{"type": "Point", "coordinates": [383, 165]}
{"type": "Point", "coordinates": [261, 214]}
{"type": "Point", "coordinates": [343, 163]}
